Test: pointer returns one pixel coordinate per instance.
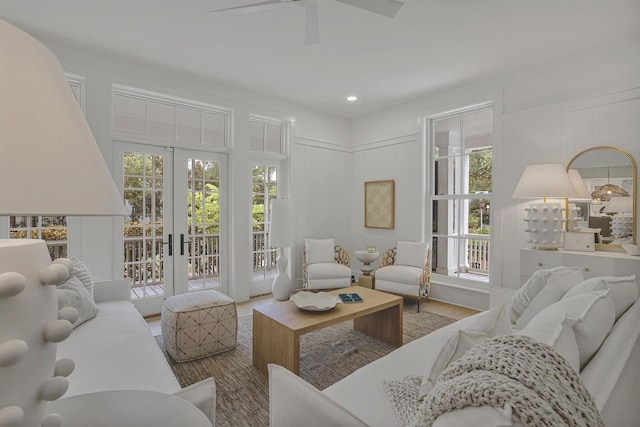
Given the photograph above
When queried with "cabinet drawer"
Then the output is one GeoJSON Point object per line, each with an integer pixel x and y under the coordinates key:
{"type": "Point", "coordinates": [531, 261]}
{"type": "Point", "coordinates": [626, 267]}
{"type": "Point", "coordinates": [592, 266]}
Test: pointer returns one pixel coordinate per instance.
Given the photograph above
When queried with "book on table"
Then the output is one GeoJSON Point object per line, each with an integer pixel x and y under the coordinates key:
{"type": "Point", "coordinates": [349, 298]}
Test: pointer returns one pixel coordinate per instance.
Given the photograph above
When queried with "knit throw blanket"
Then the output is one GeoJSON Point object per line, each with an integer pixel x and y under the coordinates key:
{"type": "Point", "coordinates": [516, 372]}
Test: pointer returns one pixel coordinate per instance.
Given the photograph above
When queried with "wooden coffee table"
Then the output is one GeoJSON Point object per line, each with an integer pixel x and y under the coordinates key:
{"type": "Point", "coordinates": [277, 327]}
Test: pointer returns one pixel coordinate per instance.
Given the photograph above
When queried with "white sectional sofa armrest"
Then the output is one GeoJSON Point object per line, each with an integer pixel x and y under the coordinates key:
{"type": "Point", "coordinates": [113, 290]}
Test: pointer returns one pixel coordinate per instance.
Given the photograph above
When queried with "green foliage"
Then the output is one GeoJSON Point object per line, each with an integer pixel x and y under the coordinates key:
{"type": "Point", "coordinates": [480, 172]}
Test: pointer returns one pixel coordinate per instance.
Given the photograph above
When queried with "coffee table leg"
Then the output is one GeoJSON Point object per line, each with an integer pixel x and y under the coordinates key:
{"type": "Point", "coordinates": [385, 325]}
{"type": "Point", "coordinates": [274, 343]}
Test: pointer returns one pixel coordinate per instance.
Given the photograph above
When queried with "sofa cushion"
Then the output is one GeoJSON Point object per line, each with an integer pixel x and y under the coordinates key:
{"type": "Point", "coordinates": [557, 334]}
{"type": "Point", "coordinates": [487, 324]}
{"type": "Point", "coordinates": [319, 250]}
{"type": "Point", "coordinates": [71, 293]}
{"type": "Point", "coordinates": [400, 274]}
{"type": "Point", "coordinates": [411, 253]}
{"type": "Point", "coordinates": [543, 290]}
{"type": "Point", "coordinates": [328, 271]}
{"type": "Point", "coordinates": [102, 351]}
{"type": "Point", "coordinates": [293, 402]}
{"type": "Point", "coordinates": [624, 290]}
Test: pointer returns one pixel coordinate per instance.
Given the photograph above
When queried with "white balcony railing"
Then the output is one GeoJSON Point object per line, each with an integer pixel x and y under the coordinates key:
{"type": "Point", "coordinates": [478, 253]}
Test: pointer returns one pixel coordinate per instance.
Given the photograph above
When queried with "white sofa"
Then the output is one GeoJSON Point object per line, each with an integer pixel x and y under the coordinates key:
{"type": "Point", "coordinates": [612, 376]}
{"type": "Point", "coordinates": [115, 353]}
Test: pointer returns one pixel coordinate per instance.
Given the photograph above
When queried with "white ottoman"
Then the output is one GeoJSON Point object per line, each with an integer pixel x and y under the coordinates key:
{"type": "Point", "coordinates": [198, 324]}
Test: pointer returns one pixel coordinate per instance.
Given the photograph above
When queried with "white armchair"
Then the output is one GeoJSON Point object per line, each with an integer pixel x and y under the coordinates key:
{"type": "Point", "coordinates": [406, 270]}
{"type": "Point", "coordinates": [325, 265]}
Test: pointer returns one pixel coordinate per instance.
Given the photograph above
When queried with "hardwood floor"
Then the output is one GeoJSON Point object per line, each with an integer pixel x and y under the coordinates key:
{"type": "Point", "coordinates": [246, 308]}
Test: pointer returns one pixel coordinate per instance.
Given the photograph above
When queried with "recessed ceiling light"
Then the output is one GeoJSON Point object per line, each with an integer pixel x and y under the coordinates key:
{"type": "Point", "coordinates": [352, 98]}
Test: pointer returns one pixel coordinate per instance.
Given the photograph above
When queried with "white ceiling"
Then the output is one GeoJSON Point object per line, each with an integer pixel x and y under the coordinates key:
{"type": "Point", "coordinates": [429, 45]}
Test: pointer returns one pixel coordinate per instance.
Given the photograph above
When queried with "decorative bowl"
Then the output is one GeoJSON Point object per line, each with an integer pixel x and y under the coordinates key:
{"type": "Point", "coordinates": [315, 301]}
{"type": "Point", "coordinates": [631, 249]}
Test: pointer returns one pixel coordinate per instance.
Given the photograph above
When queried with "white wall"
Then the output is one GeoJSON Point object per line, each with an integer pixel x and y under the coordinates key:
{"type": "Point", "coordinates": [544, 114]}
{"type": "Point", "coordinates": [317, 179]}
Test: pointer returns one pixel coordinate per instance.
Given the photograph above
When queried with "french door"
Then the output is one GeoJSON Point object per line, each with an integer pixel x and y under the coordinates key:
{"type": "Point", "coordinates": [174, 236]}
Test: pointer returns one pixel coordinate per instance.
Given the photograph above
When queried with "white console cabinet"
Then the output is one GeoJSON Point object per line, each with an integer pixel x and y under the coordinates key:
{"type": "Point", "coordinates": [593, 264]}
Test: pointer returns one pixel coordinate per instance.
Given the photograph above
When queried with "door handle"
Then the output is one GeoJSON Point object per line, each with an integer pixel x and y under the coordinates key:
{"type": "Point", "coordinates": [170, 243]}
{"type": "Point", "coordinates": [182, 242]}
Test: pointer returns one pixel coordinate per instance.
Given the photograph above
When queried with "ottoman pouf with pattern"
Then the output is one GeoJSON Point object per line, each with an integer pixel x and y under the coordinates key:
{"type": "Point", "coordinates": [198, 324]}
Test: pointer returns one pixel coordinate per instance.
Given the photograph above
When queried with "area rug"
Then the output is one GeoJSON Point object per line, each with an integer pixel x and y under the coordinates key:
{"type": "Point", "coordinates": [326, 356]}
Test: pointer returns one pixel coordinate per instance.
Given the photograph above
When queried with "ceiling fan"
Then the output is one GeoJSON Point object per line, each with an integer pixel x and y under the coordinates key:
{"type": "Point", "coordinates": [387, 8]}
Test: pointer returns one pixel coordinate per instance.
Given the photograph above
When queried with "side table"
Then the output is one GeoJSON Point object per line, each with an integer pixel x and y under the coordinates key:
{"type": "Point", "coordinates": [366, 258]}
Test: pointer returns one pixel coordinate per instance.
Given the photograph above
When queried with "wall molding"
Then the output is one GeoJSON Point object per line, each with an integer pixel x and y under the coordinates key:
{"type": "Point", "coordinates": [398, 140]}
{"type": "Point", "coordinates": [316, 143]}
{"type": "Point", "coordinates": [509, 119]}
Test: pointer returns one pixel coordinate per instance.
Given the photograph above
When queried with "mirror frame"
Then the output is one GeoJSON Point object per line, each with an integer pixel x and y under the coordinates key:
{"type": "Point", "coordinates": [635, 186]}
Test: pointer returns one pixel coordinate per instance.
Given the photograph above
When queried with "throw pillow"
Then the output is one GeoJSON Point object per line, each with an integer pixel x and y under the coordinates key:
{"type": "Point", "coordinates": [486, 324]}
{"type": "Point", "coordinates": [411, 253]}
{"type": "Point", "coordinates": [624, 290]}
{"type": "Point", "coordinates": [81, 271]}
{"type": "Point", "coordinates": [202, 395]}
{"type": "Point", "coordinates": [72, 293]}
{"type": "Point", "coordinates": [559, 335]}
{"type": "Point", "coordinates": [293, 402]}
{"type": "Point", "coordinates": [558, 282]}
{"type": "Point", "coordinates": [528, 291]}
{"type": "Point", "coordinates": [322, 250]}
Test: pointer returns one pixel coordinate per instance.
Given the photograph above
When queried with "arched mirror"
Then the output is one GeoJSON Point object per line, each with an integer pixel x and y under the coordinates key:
{"type": "Point", "coordinates": [608, 194]}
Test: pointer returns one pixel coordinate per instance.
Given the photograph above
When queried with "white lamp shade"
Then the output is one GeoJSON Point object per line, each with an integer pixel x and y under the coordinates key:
{"type": "Point", "coordinates": [545, 180]}
{"type": "Point", "coordinates": [578, 183]}
{"type": "Point", "coordinates": [620, 205]}
{"type": "Point", "coordinates": [50, 163]}
{"type": "Point", "coordinates": [282, 221]}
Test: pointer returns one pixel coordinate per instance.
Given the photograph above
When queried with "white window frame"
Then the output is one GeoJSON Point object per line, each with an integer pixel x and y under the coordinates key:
{"type": "Point", "coordinates": [430, 196]}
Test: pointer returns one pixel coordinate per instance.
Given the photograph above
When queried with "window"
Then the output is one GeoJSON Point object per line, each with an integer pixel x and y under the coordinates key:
{"type": "Point", "coordinates": [266, 137]}
{"type": "Point", "coordinates": [265, 188]}
{"type": "Point", "coordinates": [461, 192]}
{"type": "Point", "coordinates": [52, 229]}
{"type": "Point", "coordinates": [159, 117]}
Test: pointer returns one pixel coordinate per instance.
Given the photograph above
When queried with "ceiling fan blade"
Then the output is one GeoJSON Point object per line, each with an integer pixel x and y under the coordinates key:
{"type": "Point", "coordinates": [311, 23]}
{"type": "Point", "coordinates": [387, 8]}
{"type": "Point", "coordinates": [256, 7]}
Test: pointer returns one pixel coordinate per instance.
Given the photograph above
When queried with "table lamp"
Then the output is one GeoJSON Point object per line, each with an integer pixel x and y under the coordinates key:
{"type": "Point", "coordinates": [622, 219]}
{"type": "Point", "coordinates": [50, 165]}
{"type": "Point", "coordinates": [281, 237]}
{"type": "Point", "coordinates": [545, 221]}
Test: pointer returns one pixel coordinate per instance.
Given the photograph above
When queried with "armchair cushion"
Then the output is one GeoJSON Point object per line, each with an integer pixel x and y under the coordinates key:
{"type": "Point", "coordinates": [322, 250]}
{"type": "Point", "coordinates": [326, 270]}
{"type": "Point", "coordinates": [400, 274]}
{"type": "Point", "coordinates": [412, 253]}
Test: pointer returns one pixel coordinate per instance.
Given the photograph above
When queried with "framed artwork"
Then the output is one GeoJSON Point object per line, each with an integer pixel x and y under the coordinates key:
{"type": "Point", "coordinates": [379, 204]}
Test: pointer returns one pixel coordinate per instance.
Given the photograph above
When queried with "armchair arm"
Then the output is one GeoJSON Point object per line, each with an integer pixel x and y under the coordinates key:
{"type": "Point", "coordinates": [342, 256]}
{"type": "Point", "coordinates": [388, 258]}
{"type": "Point", "coordinates": [113, 290]}
{"type": "Point", "coordinates": [425, 278]}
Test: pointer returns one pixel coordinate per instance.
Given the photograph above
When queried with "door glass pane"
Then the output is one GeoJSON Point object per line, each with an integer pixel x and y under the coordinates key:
{"type": "Point", "coordinates": [202, 243]}
{"type": "Point", "coordinates": [143, 247]}
{"type": "Point", "coordinates": [265, 188]}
